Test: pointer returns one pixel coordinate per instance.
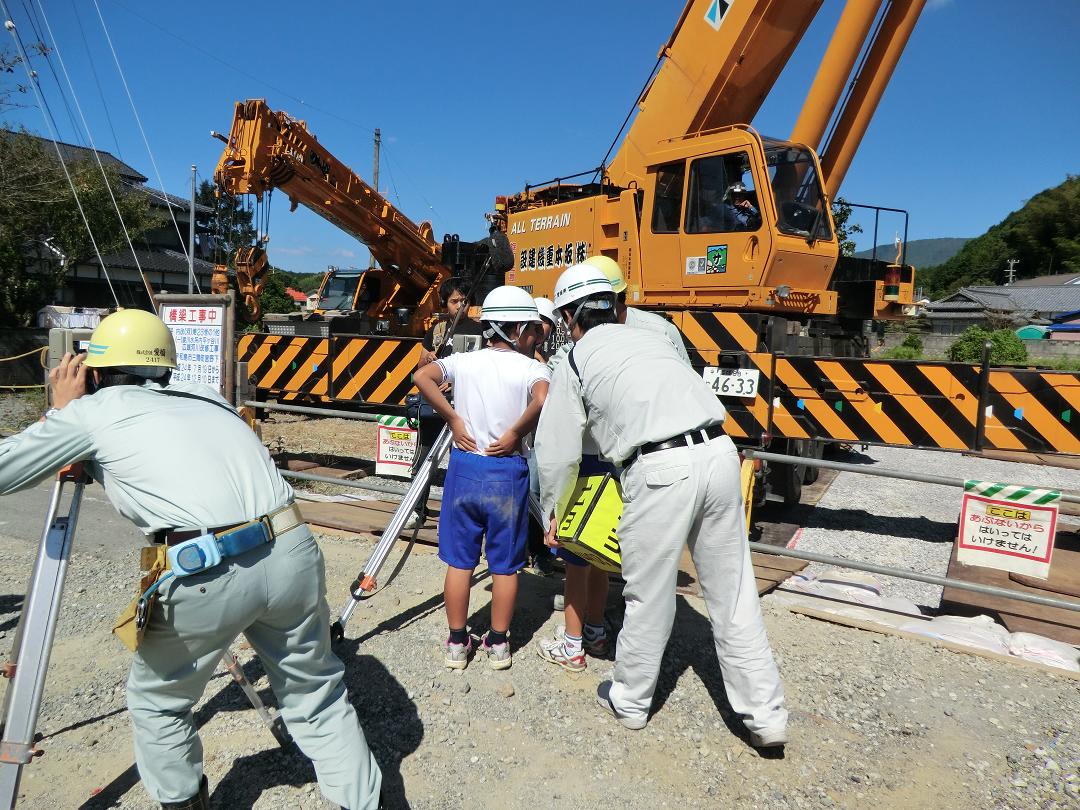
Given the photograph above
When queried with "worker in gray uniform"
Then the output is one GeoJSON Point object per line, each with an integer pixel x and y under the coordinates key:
{"type": "Point", "coordinates": [178, 461]}
{"type": "Point", "coordinates": [650, 413]}
{"type": "Point", "coordinates": [632, 316]}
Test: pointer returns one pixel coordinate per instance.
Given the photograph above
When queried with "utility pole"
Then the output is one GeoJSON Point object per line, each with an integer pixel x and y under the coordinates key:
{"type": "Point", "coordinates": [191, 237]}
{"type": "Point", "coordinates": [375, 179]}
{"type": "Point", "coordinates": [1010, 274]}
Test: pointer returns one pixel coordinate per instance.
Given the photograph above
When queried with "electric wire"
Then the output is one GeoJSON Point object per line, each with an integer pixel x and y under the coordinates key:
{"type": "Point", "coordinates": [97, 81]}
{"type": "Point", "coordinates": [188, 43]}
{"type": "Point", "coordinates": [138, 120]}
{"type": "Point", "coordinates": [31, 16]}
{"type": "Point", "coordinates": [97, 155]}
{"type": "Point", "coordinates": [51, 124]}
{"type": "Point", "coordinates": [435, 215]}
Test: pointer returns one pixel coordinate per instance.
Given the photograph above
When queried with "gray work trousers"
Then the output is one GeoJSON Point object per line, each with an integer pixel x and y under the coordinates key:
{"type": "Point", "coordinates": [274, 595]}
{"type": "Point", "coordinates": [691, 495]}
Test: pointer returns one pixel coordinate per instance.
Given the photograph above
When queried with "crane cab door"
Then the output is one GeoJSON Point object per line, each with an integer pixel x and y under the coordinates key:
{"type": "Point", "coordinates": [723, 228]}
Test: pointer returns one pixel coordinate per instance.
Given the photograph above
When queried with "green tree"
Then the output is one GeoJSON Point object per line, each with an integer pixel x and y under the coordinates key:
{"type": "Point", "coordinates": [1005, 346]}
{"type": "Point", "coordinates": [230, 223]}
{"type": "Point", "coordinates": [841, 212]}
{"type": "Point", "coordinates": [274, 299]}
{"type": "Point", "coordinates": [1043, 236]}
{"type": "Point", "coordinates": [42, 233]}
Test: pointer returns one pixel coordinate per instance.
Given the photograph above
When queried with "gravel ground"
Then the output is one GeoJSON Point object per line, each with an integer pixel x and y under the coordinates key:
{"type": "Point", "coordinates": [876, 721]}
{"type": "Point", "coordinates": [906, 524]}
{"type": "Point", "coordinates": [17, 410]}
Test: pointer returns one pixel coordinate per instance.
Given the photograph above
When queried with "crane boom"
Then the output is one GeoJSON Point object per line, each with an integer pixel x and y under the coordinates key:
{"type": "Point", "coordinates": [268, 150]}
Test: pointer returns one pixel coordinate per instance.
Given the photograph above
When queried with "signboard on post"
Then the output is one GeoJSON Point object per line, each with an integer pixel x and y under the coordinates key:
{"type": "Point", "coordinates": [396, 447]}
{"type": "Point", "coordinates": [198, 332]}
{"type": "Point", "coordinates": [1008, 527]}
{"type": "Point", "coordinates": [202, 327]}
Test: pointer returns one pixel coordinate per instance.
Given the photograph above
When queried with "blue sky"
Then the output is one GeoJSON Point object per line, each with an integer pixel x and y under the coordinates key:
{"type": "Point", "coordinates": [474, 99]}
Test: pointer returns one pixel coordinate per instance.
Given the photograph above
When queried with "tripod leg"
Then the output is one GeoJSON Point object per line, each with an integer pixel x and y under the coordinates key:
{"type": "Point", "coordinates": [35, 638]}
{"type": "Point", "coordinates": [272, 720]}
{"type": "Point", "coordinates": [366, 580]}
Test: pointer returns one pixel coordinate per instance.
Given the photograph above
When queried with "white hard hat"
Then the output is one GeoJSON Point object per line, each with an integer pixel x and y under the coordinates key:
{"type": "Point", "coordinates": [546, 308]}
{"type": "Point", "coordinates": [508, 304]}
{"type": "Point", "coordinates": [582, 281]}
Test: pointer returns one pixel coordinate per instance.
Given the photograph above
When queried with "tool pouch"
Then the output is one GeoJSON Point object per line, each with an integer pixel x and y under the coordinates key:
{"type": "Point", "coordinates": [131, 625]}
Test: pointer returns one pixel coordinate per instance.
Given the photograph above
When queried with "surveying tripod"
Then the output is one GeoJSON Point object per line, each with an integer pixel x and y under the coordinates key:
{"type": "Point", "coordinates": [29, 659]}
{"type": "Point", "coordinates": [366, 581]}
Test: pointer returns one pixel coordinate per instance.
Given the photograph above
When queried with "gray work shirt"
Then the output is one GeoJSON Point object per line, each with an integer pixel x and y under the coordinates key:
{"type": "Point", "coordinates": [639, 319]}
{"type": "Point", "coordinates": [634, 389]}
{"type": "Point", "coordinates": [165, 461]}
{"type": "Point", "coordinates": [643, 319]}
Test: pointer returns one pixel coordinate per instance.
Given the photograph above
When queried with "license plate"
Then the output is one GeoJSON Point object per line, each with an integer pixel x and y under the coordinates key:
{"type": "Point", "coordinates": [732, 382]}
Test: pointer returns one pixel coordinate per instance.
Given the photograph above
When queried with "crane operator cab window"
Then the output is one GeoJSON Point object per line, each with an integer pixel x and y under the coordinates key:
{"type": "Point", "coordinates": [668, 203]}
{"type": "Point", "coordinates": [721, 196]}
{"type": "Point", "coordinates": [339, 291]}
{"type": "Point", "coordinates": [800, 202]}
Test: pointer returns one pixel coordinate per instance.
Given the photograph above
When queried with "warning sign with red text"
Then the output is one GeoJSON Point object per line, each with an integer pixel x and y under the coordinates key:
{"type": "Point", "coordinates": [396, 450]}
{"type": "Point", "coordinates": [1008, 527]}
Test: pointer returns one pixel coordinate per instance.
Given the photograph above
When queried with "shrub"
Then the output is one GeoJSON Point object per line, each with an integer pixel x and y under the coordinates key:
{"type": "Point", "coordinates": [903, 352]}
{"type": "Point", "coordinates": [913, 342]}
{"type": "Point", "coordinates": [1006, 347]}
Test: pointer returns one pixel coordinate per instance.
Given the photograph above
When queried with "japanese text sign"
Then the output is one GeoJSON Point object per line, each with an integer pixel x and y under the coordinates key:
{"type": "Point", "coordinates": [1008, 527]}
{"type": "Point", "coordinates": [199, 334]}
{"type": "Point", "coordinates": [397, 448]}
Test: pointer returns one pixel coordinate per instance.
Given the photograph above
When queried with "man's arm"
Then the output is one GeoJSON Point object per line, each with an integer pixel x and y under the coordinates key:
{"type": "Point", "coordinates": [56, 441]}
{"type": "Point", "coordinates": [558, 440]}
{"type": "Point", "coordinates": [429, 380]}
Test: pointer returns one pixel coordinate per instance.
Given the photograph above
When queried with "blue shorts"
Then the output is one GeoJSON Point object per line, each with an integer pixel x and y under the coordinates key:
{"type": "Point", "coordinates": [485, 499]}
{"type": "Point", "coordinates": [590, 465]}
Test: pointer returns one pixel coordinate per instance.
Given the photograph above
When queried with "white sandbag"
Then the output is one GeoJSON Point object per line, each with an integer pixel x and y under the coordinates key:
{"type": "Point", "coordinates": [975, 631]}
{"type": "Point", "coordinates": [1043, 650]}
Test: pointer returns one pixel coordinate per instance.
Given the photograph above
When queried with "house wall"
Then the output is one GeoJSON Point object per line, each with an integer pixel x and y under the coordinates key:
{"type": "Point", "coordinates": [937, 345]}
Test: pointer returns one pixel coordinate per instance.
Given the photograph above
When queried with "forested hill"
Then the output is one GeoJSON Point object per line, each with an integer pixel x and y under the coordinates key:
{"type": "Point", "coordinates": [1044, 236]}
{"type": "Point", "coordinates": [920, 252]}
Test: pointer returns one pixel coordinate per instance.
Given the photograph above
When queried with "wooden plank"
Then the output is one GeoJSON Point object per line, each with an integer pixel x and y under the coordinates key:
{"type": "Point", "coordinates": [1056, 623]}
{"type": "Point", "coordinates": [889, 630]}
{"type": "Point", "coordinates": [769, 571]}
{"type": "Point", "coordinates": [349, 517]}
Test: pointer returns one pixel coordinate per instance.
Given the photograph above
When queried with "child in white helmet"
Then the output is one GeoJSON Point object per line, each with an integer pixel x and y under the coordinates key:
{"type": "Point", "coordinates": [498, 393]}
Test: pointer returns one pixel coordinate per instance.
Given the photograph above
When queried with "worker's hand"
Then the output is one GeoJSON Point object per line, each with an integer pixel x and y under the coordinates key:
{"type": "Point", "coordinates": [551, 540]}
{"type": "Point", "coordinates": [68, 380]}
{"type": "Point", "coordinates": [506, 445]}
{"type": "Point", "coordinates": [425, 358]}
{"type": "Point", "coordinates": [444, 387]}
{"type": "Point", "coordinates": [462, 439]}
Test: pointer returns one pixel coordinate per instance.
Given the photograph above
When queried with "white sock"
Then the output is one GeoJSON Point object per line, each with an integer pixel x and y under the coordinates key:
{"type": "Point", "coordinates": [571, 645]}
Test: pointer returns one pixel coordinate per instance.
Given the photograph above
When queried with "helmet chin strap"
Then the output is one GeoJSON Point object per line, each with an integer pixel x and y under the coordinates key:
{"type": "Point", "coordinates": [497, 330]}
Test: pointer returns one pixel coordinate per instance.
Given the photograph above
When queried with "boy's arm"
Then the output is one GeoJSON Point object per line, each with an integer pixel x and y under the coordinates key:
{"type": "Point", "coordinates": [428, 379]}
{"type": "Point", "coordinates": [507, 444]}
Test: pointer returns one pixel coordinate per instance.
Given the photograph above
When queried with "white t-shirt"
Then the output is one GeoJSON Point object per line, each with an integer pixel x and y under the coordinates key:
{"type": "Point", "coordinates": [491, 389]}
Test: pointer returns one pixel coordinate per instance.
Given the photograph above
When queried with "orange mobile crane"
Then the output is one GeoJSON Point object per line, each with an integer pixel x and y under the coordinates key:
{"type": "Point", "coordinates": [364, 348]}
{"type": "Point", "coordinates": [764, 299]}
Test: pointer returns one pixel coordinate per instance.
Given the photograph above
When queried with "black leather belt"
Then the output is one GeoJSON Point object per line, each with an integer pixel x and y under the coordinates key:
{"type": "Point", "coordinates": [687, 439]}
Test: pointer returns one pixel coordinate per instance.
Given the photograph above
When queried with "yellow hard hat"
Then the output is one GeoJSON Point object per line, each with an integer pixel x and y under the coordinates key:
{"type": "Point", "coordinates": [610, 268]}
{"type": "Point", "coordinates": [131, 338]}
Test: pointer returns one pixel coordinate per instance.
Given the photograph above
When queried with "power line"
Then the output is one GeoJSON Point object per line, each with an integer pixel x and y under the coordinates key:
{"type": "Point", "coordinates": [93, 72]}
{"type": "Point", "coordinates": [142, 131]}
{"type": "Point", "coordinates": [31, 17]}
{"type": "Point", "coordinates": [9, 24]}
{"type": "Point", "coordinates": [97, 156]}
{"type": "Point", "coordinates": [241, 71]}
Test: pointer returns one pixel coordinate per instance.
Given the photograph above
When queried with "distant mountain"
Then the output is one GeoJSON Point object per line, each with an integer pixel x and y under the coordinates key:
{"type": "Point", "coordinates": [1043, 237]}
{"type": "Point", "coordinates": [921, 252]}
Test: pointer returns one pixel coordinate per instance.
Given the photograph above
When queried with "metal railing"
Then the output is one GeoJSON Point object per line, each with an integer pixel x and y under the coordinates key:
{"type": "Point", "coordinates": [884, 570]}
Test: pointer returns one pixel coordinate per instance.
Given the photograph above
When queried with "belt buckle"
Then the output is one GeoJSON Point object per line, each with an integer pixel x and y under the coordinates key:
{"type": "Point", "coordinates": [269, 526]}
